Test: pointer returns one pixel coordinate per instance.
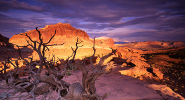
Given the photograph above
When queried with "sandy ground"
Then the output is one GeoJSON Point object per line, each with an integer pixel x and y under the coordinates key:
{"type": "Point", "coordinates": [119, 87]}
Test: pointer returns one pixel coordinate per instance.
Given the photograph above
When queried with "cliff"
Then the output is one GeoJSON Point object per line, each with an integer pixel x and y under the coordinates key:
{"type": "Point", "coordinates": [64, 32]}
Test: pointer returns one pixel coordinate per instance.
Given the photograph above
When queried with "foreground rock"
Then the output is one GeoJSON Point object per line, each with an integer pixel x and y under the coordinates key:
{"type": "Point", "coordinates": [166, 66]}
{"type": "Point", "coordinates": [114, 85]}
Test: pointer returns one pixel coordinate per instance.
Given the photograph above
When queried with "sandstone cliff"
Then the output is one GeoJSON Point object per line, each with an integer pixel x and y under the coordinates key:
{"type": "Point", "coordinates": [65, 33]}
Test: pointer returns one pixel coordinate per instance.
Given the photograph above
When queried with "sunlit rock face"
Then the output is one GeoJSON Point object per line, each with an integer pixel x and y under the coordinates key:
{"type": "Point", "coordinates": [105, 41]}
{"type": "Point", "coordinates": [140, 65]}
{"type": "Point", "coordinates": [68, 35]}
{"type": "Point", "coordinates": [64, 32]}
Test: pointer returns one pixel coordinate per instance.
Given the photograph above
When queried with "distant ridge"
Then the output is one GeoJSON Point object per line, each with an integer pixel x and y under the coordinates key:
{"type": "Point", "coordinates": [147, 45]}
{"type": "Point", "coordinates": [120, 42]}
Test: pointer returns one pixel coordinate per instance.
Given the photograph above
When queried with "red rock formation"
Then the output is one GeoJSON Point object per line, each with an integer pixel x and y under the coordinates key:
{"type": "Point", "coordinates": [105, 41]}
{"type": "Point", "coordinates": [66, 34]}
{"type": "Point", "coordinates": [63, 32]}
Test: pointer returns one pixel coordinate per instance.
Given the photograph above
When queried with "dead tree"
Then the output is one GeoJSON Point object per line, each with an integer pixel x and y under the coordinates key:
{"type": "Point", "coordinates": [30, 85]}
{"type": "Point", "coordinates": [91, 72]}
{"type": "Point", "coordinates": [75, 50]}
{"type": "Point", "coordinates": [77, 45]}
{"type": "Point", "coordinates": [94, 49]}
{"type": "Point", "coordinates": [40, 47]}
{"type": "Point", "coordinates": [93, 58]}
{"type": "Point", "coordinates": [4, 70]}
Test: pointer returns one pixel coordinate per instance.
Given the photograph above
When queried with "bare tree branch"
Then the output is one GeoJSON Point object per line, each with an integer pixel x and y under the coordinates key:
{"type": "Point", "coordinates": [106, 56]}
{"type": "Point", "coordinates": [94, 50]}
{"type": "Point", "coordinates": [51, 38]}
{"type": "Point", "coordinates": [55, 44]}
{"type": "Point", "coordinates": [40, 35]}
{"type": "Point", "coordinates": [75, 50]}
{"type": "Point", "coordinates": [39, 46]}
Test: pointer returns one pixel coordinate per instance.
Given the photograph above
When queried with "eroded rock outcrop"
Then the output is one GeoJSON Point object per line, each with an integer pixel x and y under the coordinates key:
{"type": "Point", "coordinates": [68, 35]}
{"type": "Point", "coordinates": [65, 33]}
{"type": "Point", "coordinates": [140, 68]}
{"type": "Point", "coordinates": [105, 41]}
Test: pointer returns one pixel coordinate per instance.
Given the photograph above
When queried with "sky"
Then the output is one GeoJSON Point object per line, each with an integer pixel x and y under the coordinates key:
{"type": "Point", "coordinates": [122, 20]}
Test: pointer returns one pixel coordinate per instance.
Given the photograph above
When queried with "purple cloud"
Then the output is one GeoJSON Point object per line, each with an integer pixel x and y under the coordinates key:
{"type": "Point", "coordinates": [120, 19]}
{"type": "Point", "coordinates": [15, 4]}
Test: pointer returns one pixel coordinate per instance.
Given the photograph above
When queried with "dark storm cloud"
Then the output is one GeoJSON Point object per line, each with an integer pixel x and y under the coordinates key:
{"type": "Point", "coordinates": [112, 11]}
{"type": "Point", "coordinates": [99, 17]}
{"type": "Point", "coordinates": [102, 10]}
{"type": "Point", "coordinates": [10, 26]}
{"type": "Point", "coordinates": [14, 4]}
